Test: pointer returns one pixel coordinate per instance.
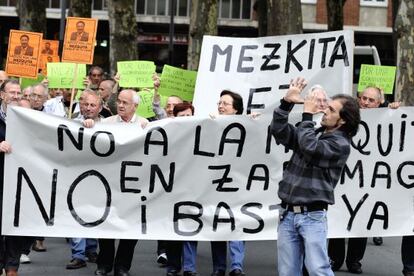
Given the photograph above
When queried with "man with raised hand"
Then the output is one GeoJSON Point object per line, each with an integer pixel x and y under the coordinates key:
{"type": "Point", "coordinates": [307, 186]}
{"type": "Point", "coordinates": [172, 101]}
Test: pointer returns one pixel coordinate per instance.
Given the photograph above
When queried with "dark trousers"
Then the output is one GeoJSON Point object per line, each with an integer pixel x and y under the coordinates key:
{"type": "Point", "coordinates": [10, 250]}
{"type": "Point", "coordinates": [123, 258]}
{"type": "Point", "coordinates": [407, 256]}
{"type": "Point", "coordinates": [174, 250]}
{"type": "Point", "coordinates": [27, 243]}
{"type": "Point", "coordinates": [161, 247]}
{"type": "Point", "coordinates": [219, 255]}
{"type": "Point", "coordinates": [356, 250]}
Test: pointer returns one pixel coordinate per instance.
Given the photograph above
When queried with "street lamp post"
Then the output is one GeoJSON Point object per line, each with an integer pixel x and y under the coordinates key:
{"type": "Point", "coordinates": [62, 23]}
{"type": "Point", "coordinates": [171, 35]}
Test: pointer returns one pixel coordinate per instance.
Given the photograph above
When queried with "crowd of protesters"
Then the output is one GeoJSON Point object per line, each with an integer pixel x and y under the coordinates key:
{"type": "Point", "coordinates": [318, 150]}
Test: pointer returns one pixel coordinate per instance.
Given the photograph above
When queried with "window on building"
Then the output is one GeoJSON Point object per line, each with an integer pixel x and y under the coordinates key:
{"type": "Point", "coordinates": [54, 4]}
{"type": "Point", "coordinates": [246, 9]}
{"type": "Point", "coordinates": [161, 7]}
{"type": "Point", "coordinates": [235, 9]}
{"type": "Point", "coordinates": [150, 7]}
{"type": "Point", "coordinates": [183, 6]}
{"type": "Point", "coordinates": [225, 8]}
{"type": "Point", "coordinates": [97, 5]}
{"type": "Point", "coordinates": [377, 3]}
{"type": "Point", "coordinates": [140, 6]}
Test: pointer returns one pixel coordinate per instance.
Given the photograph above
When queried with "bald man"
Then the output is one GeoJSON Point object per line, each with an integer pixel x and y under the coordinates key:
{"type": "Point", "coordinates": [108, 259]}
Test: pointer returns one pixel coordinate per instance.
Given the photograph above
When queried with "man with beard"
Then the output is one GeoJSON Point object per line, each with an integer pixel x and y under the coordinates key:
{"type": "Point", "coordinates": [319, 155]}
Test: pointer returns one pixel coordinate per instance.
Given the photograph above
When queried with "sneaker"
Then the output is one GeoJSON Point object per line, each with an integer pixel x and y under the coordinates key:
{"type": "Point", "coordinates": [162, 259]}
{"type": "Point", "coordinates": [335, 265]}
{"type": "Point", "coordinates": [236, 272]}
{"type": "Point", "coordinates": [38, 246]}
{"type": "Point", "coordinates": [218, 273]}
{"type": "Point", "coordinates": [92, 257]}
{"type": "Point", "coordinates": [173, 273]}
{"type": "Point", "coordinates": [24, 259]}
{"type": "Point", "coordinates": [75, 264]}
{"type": "Point", "coordinates": [354, 268]}
{"type": "Point", "coordinates": [189, 273]}
{"type": "Point", "coordinates": [377, 240]}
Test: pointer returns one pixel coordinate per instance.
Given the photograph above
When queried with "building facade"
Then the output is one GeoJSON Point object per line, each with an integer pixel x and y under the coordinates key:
{"type": "Point", "coordinates": [370, 19]}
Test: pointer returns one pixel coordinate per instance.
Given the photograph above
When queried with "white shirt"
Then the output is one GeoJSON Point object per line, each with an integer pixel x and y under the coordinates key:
{"type": "Point", "coordinates": [134, 120]}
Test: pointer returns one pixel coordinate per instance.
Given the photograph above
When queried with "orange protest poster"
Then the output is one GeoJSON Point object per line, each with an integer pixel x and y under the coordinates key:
{"type": "Point", "coordinates": [79, 43]}
{"type": "Point", "coordinates": [50, 47]}
{"type": "Point", "coordinates": [44, 60]}
{"type": "Point", "coordinates": [23, 54]}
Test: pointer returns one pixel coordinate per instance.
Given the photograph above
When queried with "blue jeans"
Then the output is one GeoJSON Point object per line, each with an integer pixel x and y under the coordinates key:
{"type": "Point", "coordinates": [236, 254]}
{"type": "Point", "coordinates": [189, 256]}
{"type": "Point", "coordinates": [218, 254]}
{"type": "Point", "coordinates": [303, 236]}
{"type": "Point", "coordinates": [80, 246]}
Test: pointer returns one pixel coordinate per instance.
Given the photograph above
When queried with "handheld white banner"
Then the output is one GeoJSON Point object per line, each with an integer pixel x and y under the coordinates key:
{"type": "Point", "coordinates": [260, 69]}
{"type": "Point", "coordinates": [191, 178]}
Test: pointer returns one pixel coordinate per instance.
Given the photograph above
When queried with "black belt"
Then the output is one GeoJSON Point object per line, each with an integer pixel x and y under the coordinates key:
{"type": "Point", "coordinates": [311, 207]}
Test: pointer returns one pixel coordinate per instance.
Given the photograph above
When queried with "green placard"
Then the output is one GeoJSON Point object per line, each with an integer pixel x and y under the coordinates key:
{"type": "Point", "coordinates": [177, 82]}
{"type": "Point", "coordinates": [61, 75]}
{"type": "Point", "coordinates": [136, 73]}
{"type": "Point", "coordinates": [25, 82]}
{"type": "Point", "coordinates": [376, 75]}
{"type": "Point", "coordinates": [145, 105]}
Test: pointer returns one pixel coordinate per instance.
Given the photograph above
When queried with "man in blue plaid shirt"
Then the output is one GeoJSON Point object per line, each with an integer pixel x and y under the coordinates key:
{"type": "Point", "coordinates": [307, 186]}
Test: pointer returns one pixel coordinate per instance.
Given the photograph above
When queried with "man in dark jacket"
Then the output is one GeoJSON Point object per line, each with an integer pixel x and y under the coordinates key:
{"type": "Point", "coordinates": [10, 246]}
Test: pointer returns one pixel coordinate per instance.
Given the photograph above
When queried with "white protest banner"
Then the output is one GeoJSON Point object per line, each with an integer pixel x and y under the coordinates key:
{"type": "Point", "coordinates": [191, 179]}
{"type": "Point", "coordinates": [260, 69]}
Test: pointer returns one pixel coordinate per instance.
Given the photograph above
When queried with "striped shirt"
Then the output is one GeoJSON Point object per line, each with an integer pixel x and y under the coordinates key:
{"type": "Point", "coordinates": [317, 160]}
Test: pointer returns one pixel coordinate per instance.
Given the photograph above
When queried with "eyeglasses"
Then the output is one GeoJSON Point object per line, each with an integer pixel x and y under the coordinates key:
{"type": "Point", "coordinates": [224, 103]}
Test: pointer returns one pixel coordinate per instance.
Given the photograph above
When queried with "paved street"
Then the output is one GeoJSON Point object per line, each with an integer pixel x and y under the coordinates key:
{"type": "Point", "coordinates": [260, 260]}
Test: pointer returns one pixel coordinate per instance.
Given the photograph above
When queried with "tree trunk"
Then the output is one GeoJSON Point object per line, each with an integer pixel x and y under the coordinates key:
{"type": "Point", "coordinates": [32, 15]}
{"type": "Point", "coordinates": [335, 14]}
{"type": "Point", "coordinates": [395, 5]}
{"type": "Point", "coordinates": [80, 8]}
{"type": "Point", "coordinates": [203, 21]}
{"type": "Point", "coordinates": [284, 17]}
{"type": "Point", "coordinates": [404, 27]}
{"type": "Point", "coordinates": [260, 7]}
{"type": "Point", "coordinates": [123, 34]}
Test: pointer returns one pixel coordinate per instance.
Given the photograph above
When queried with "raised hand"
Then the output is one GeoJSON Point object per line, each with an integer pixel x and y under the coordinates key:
{"type": "Point", "coordinates": [295, 88]}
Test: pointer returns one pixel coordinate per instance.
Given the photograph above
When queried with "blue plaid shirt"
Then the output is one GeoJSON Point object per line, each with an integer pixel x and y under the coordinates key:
{"type": "Point", "coordinates": [317, 160]}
